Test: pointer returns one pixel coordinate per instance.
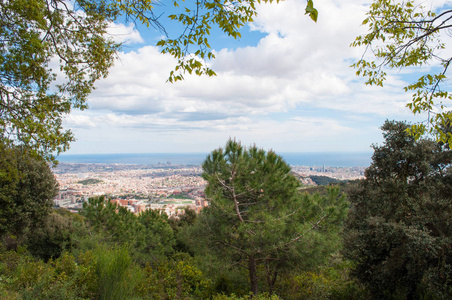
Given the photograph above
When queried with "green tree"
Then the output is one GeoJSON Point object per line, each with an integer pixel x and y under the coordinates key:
{"type": "Point", "coordinates": [398, 229]}
{"type": "Point", "coordinates": [33, 99]}
{"type": "Point", "coordinates": [27, 188]}
{"type": "Point", "coordinates": [178, 224]}
{"type": "Point", "coordinates": [37, 34]}
{"type": "Point", "coordinates": [52, 238]}
{"type": "Point", "coordinates": [149, 234]}
{"type": "Point", "coordinates": [403, 34]}
{"type": "Point", "coordinates": [158, 232]}
{"type": "Point", "coordinates": [257, 218]}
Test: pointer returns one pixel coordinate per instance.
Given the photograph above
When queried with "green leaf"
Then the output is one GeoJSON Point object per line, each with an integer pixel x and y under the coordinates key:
{"type": "Point", "coordinates": [311, 11]}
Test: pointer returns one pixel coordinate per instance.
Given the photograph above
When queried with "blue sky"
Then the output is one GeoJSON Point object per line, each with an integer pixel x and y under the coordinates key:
{"type": "Point", "coordinates": [286, 85]}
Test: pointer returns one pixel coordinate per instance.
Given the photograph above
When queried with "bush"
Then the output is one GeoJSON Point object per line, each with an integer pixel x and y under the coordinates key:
{"type": "Point", "coordinates": [332, 281]}
{"type": "Point", "coordinates": [249, 297]}
{"type": "Point", "coordinates": [176, 278]}
{"type": "Point", "coordinates": [50, 240]}
{"type": "Point", "coordinates": [118, 277]}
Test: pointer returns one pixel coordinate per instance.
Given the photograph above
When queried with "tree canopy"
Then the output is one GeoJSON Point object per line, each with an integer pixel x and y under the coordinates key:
{"type": "Point", "coordinates": [149, 232]}
{"type": "Point", "coordinates": [27, 188]}
{"type": "Point", "coordinates": [257, 218]}
{"type": "Point", "coordinates": [398, 229]}
{"type": "Point", "coordinates": [406, 34]}
{"type": "Point", "coordinates": [34, 97]}
{"type": "Point", "coordinates": [53, 51]}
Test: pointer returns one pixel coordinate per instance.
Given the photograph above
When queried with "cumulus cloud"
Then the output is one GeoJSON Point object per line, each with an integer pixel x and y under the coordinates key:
{"type": "Point", "coordinates": [298, 62]}
{"type": "Point", "coordinates": [124, 34]}
{"type": "Point", "coordinates": [298, 66]}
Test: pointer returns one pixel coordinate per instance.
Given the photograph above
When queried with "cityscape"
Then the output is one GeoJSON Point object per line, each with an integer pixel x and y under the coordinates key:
{"type": "Point", "coordinates": [165, 187]}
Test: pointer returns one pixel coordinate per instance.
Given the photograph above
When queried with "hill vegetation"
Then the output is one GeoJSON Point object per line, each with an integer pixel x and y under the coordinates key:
{"type": "Point", "coordinates": [90, 181]}
{"type": "Point", "coordinates": [324, 180]}
{"type": "Point", "coordinates": [261, 235]}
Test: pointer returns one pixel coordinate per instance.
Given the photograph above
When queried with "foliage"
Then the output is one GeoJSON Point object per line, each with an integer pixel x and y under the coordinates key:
{"type": "Point", "coordinates": [101, 274]}
{"type": "Point", "coordinates": [33, 98]}
{"type": "Point", "coordinates": [329, 281]}
{"type": "Point", "coordinates": [176, 278]}
{"type": "Point", "coordinates": [178, 224]}
{"type": "Point", "coordinates": [38, 35]}
{"type": "Point", "coordinates": [398, 229]}
{"type": "Point", "coordinates": [61, 231]}
{"type": "Point", "coordinates": [89, 181]}
{"type": "Point", "coordinates": [117, 278]}
{"type": "Point", "coordinates": [228, 15]}
{"type": "Point", "coordinates": [186, 219]}
{"type": "Point", "coordinates": [404, 35]}
{"type": "Point", "coordinates": [27, 188]}
{"type": "Point", "coordinates": [149, 233]}
{"type": "Point", "coordinates": [33, 279]}
{"type": "Point", "coordinates": [257, 219]}
{"type": "Point", "coordinates": [324, 180]}
{"type": "Point", "coordinates": [249, 297]}
{"type": "Point", "coordinates": [52, 238]}
{"type": "Point", "coordinates": [160, 238]}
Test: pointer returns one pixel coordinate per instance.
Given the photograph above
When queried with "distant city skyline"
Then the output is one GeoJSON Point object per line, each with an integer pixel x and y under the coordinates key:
{"type": "Point", "coordinates": [330, 159]}
{"type": "Point", "coordinates": [286, 85]}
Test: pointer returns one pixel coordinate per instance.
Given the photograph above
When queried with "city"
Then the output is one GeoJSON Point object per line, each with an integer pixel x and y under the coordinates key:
{"type": "Point", "coordinates": [165, 187]}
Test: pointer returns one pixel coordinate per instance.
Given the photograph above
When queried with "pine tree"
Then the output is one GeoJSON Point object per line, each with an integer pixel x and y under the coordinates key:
{"type": "Point", "coordinates": [257, 217]}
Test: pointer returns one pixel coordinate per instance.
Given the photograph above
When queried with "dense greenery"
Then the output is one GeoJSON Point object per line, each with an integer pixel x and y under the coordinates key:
{"type": "Point", "coordinates": [398, 230]}
{"type": "Point", "coordinates": [260, 236]}
{"type": "Point", "coordinates": [89, 181]}
{"type": "Point", "coordinates": [259, 227]}
{"type": "Point", "coordinates": [408, 34]}
{"type": "Point", "coordinates": [257, 218]}
{"type": "Point", "coordinates": [324, 180]}
{"type": "Point", "coordinates": [27, 188]}
{"type": "Point", "coordinates": [107, 252]}
{"type": "Point", "coordinates": [148, 233]}
{"type": "Point", "coordinates": [90, 267]}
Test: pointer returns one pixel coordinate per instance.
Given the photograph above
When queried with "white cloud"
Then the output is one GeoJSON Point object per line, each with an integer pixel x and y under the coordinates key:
{"type": "Point", "coordinates": [299, 66]}
{"type": "Point", "coordinates": [148, 134]}
{"type": "Point", "coordinates": [80, 121]}
{"type": "Point", "coordinates": [124, 34]}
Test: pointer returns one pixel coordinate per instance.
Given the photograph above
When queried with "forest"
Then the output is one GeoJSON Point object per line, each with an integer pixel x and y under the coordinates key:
{"type": "Point", "coordinates": [387, 236]}
{"type": "Point", "coordinates": [262, 236]}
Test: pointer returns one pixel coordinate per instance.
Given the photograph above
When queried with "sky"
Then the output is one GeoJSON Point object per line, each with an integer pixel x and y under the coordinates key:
{"type": "Point", "coordinates": [286, 85]}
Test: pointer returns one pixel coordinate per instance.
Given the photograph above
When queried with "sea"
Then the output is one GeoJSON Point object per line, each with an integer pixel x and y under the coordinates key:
{"type": "Point", "coordinates": [329, 159]}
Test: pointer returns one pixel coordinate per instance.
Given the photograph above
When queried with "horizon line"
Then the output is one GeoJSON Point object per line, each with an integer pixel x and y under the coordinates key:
{"type": "Point", "coordinates": [202, 153]}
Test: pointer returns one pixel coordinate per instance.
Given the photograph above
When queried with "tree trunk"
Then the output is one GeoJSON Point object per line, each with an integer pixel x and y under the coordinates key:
{"type": "Point", "coordinates": [253, 275]}
{"type": "Point", "coordinates": [271, 278]}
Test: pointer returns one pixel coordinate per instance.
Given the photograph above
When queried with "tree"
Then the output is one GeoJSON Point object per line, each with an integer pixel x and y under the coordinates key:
{"type": "Point", "coordinates": [27, 188]}
{"type": "Point", "coordinates": [53, 238]}
{"type": "Point", "coordinates": [403, 35]}
{"type": "Point", "coordinates": [398, 229]}
{"type": "Point", "coordinates": [149, 233]}
{"type": "Point", "coordinates": [33, 98]}
{"type": "Point", "coordinates": [257, 218]}
{"type": "Point", "coordinates": [37, 34]}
